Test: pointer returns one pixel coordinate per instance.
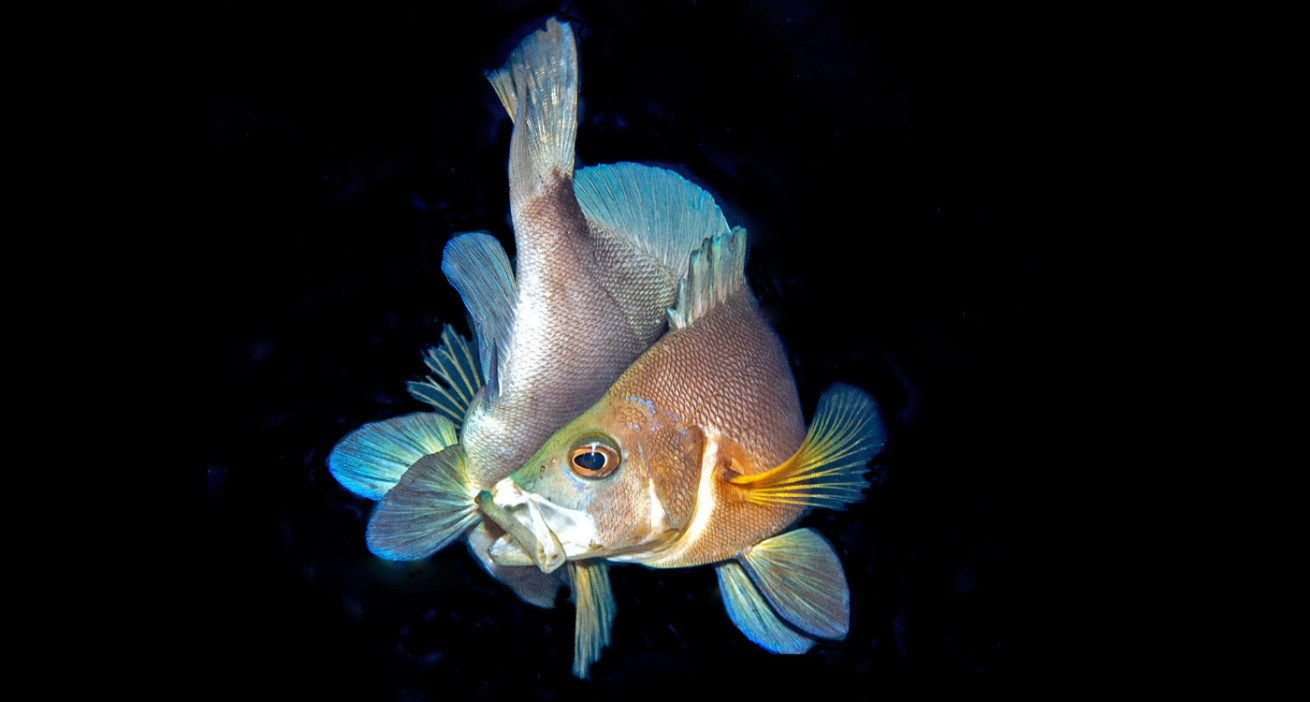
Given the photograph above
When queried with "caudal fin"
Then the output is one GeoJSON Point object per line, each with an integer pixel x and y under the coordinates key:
{"type": "Point", "coordinates": [800, 575]}
{"type": "Point", "coordinates": [828, 469]}
{"type": "Point", "coordinates": [371, 459]}
{"type": "Point", "coordinates": [539, 88]}
{"type": "Point", "coordinates": [430, 507]}
{"type": "Point", "coordinates": [748, 609]}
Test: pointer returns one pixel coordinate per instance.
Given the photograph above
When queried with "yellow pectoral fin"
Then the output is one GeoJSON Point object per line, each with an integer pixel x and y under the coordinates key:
{"type": "Point", "coordinates": [828, 469]}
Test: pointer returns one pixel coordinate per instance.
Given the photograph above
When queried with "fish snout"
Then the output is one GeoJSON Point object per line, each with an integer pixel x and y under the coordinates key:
{"type": "Point", "coordinates": [509, 507]}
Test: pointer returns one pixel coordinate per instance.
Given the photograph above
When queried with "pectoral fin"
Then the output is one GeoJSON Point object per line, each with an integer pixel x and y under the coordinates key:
{"type": "Point", "coordinates": [430, 507]}
{"type": "Point", "coordinates": [753, 615]}
{"type": "Point", "coordinates": [828, 469]}
{"type": "Point", "coordinates": [371, 459]}
{"type": "Point", "coordinates": [590, 580]}
{"type": "Point", "coordinates": [800, 575]}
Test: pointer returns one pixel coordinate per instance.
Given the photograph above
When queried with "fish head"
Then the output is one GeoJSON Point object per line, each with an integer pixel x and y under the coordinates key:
{"type": "Point", "coordinates": [597, 488]}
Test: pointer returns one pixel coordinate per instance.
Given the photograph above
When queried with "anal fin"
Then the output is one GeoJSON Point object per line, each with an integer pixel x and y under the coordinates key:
{"type": "Point", "coordinates": [798, 572]}
{"type": "Point", "coordinates": [748, 609]}
{"type": "Point", "coordinates": [590, 580]}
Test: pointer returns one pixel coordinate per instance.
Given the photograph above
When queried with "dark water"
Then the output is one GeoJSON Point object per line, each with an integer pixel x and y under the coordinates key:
{"type": "Point", "coordinates": [894, 170]}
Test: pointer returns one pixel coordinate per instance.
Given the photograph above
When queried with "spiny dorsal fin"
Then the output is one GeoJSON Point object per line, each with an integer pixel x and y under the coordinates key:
{"type": "Point", "coordinates": [800, 575]}
{"type": "Point", "coordinates": [656, 212]}
{"type": "Point", "coordinates": [371, 459]}
{"type": "Point", "coordinates": [753, 615]}
{"type": "Point", "coordinates": [538, 86]}
{"type": "Point", "coordinates": [714, 272]}
{"type": "Point", "coordinates": [454, 365]}
{"type": "Point", "coordinates": [828, 469]}
{"type": "Point", "coordinates": [477, 266]}
{"type": "Point", "coordinates": [431, 506]}
{"type": "Point", "coordinates": [590, 580]}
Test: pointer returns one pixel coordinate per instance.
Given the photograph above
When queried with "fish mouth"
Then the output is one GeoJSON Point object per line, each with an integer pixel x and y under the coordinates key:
{"type": "Point", "coordinates": [538, 532]}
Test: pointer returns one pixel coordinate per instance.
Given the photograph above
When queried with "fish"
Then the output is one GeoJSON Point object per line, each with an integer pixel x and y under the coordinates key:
{"type": "Point", "coordinates": [600, 253]}
{"type": "Point", "coordinates": [698, 455]}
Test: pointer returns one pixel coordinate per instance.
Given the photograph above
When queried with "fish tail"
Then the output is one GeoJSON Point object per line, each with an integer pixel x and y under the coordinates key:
{"type": "Point", "coordinates": [539, 88]}
{"type": "Point", "coordinates": [455, 378]}
{"type": "Point", "coordinates": [828, 469]}
{"type": "Point", "coordinates": [372, 459]}
{"type": "Point", "coordinates": [430, 507]}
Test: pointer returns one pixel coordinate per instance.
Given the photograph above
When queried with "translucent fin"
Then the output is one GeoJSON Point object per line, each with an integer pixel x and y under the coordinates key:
{"type": "Point", "coordinates": [477, 266]}
{"type": "Point", "coordinates": [530, 584]}
{"type": "Point", "coordinates": [371, 459]}
{"type": "Point", "coordinates": [539, 88]}
{"type": "Point", "coordinates": [456, 381]}
{"type": "Point", "coordinates": [713, 273]}
{"type": "Point", "coordinates": [753, 615]}
{"type": "Point", "coordinates": [800, 575]}
{"type": "Point", "coordinates": [431, 506]}
{"type": "Point", "coordinates": [828, 469]}
{"type": "Point", "coordinates": [590, 580]}
{"type": "Point", "coordinates": [657, 212]}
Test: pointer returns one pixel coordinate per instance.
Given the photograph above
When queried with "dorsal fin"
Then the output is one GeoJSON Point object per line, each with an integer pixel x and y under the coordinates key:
{"type": "Point", "coordinates": [538, 86]}
{"type": "Point", "coordinates": [828, 469]}
{"type": "Point", "coordinates": [715, 271]}
{"type": "Point", "coordinates": [656, 212]}
{"type": "Point", "coordinates": [477, 266]}
{"type": "Point", "coordinates": [453, 364]}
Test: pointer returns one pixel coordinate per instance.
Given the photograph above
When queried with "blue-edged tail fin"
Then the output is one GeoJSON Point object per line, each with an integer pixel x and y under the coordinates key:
{"type": "Point", "coordinates": [798, 572]}
{"type": "Point", "coordinates": [430, 507]}
{"type": "Point", "coordinates": [752, 614]}
{"type": "Point", "coordinates": [371, 459]}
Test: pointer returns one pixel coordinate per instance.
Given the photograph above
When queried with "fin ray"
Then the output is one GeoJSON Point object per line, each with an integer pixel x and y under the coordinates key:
{"type": "Point", "coordinates": [714, 272]}
{"type": "Point", "coordinates": [753, 615]}
{"type": "Point", "coordinates": [430, 507]}
{"type": "Point", "coordinates": [370, 460]}
{"type": "Point", "coordinates": [453, 364]}
{"type": "Point", "coordinates": [594, 599]}
{"type": "Point", "coordinates": [828, 469]}
{"type": "Point", "coordinates": [655, 211]}
{"type": "Point", "coordinates": [800, 575]}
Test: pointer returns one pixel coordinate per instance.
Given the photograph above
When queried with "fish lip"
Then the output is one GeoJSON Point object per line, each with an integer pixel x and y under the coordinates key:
{"type": "Point", "coordinates": [547, 533]}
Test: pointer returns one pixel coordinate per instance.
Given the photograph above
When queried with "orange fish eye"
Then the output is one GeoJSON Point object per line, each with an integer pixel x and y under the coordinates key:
{"type": "Point", "coordinates": [593, 458]}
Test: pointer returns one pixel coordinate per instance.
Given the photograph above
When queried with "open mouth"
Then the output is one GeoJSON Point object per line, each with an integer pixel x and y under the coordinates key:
{"type": "Point", "coordinates": [538, 532]}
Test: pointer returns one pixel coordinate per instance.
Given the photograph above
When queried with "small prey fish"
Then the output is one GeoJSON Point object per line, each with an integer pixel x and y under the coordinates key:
{"type": "Point", "coordinates": [600, 254]}
{"type": "Point", "coordinates": [698, 454]}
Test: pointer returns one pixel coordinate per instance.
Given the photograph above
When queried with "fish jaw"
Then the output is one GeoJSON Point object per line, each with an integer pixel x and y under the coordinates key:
{"type": "Point", "coordinates": [546, 533]}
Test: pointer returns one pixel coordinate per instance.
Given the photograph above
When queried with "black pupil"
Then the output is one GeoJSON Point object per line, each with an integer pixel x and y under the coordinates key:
{"type": "Point", "coordinates": [591, 461]}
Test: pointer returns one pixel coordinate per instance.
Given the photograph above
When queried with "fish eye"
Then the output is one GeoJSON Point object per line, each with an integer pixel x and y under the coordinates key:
{"type": "Point", "coordinates": [593, 457]}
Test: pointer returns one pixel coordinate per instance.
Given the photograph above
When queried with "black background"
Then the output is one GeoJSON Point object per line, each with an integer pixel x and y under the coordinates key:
{"type": "Point", "coordinates": [894, 169]}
